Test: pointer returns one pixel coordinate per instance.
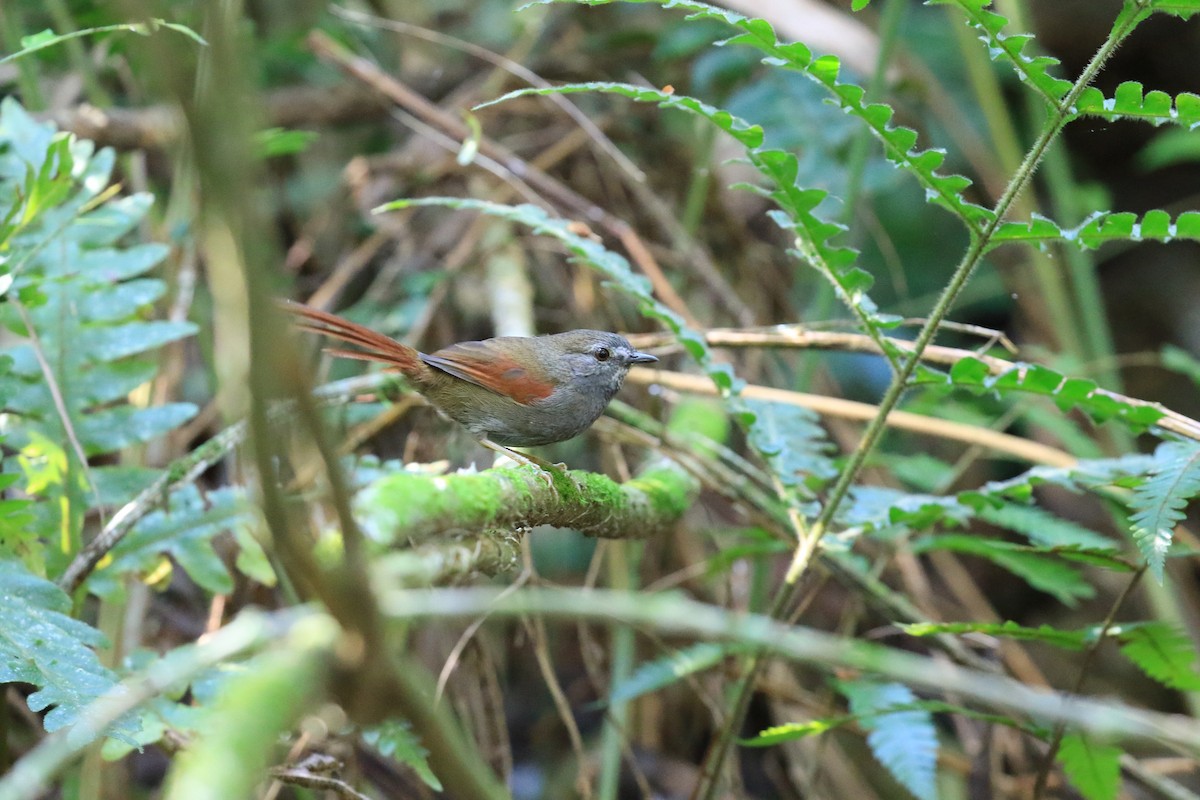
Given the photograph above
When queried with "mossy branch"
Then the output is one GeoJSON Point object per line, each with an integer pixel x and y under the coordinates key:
{"type": "Point", "coordinates": [407, 508]}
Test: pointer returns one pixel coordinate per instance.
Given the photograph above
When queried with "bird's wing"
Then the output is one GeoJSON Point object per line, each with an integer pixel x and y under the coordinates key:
{"type": "Point", "coordinates": [486, 364]}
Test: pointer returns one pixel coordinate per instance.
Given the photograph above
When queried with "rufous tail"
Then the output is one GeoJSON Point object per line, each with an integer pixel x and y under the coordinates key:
{"type": "Point", "coordinates": [368, 344]}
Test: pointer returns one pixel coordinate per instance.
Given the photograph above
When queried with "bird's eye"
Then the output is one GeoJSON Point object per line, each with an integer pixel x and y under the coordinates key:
{"type": "Point", "coordinates": [602, 354]}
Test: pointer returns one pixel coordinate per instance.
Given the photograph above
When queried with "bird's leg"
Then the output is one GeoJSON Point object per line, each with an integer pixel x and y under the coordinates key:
{"type": "Point", "coordinates": [544, 468]}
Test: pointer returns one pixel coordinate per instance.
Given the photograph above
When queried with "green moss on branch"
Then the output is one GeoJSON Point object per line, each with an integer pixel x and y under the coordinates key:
{"type": "Point", "coordinates": [406, 508]}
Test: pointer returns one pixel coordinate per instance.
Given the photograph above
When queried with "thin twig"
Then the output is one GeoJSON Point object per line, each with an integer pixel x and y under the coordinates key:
{"type": "Point", "coordinates": [508, 65]}
{"type": "Point", "coordinates": [181, 473]}
{"type": "Point", "coordinates": [1026, 450]}
{"type": "Point", "coordinates": [313, 773]}
{"type": "Point", "coordinates": [363, 70]}
{"type": "Point", "coordinates": [1060, 728]}
{"type": "Point", "coordinates": [799, 336]}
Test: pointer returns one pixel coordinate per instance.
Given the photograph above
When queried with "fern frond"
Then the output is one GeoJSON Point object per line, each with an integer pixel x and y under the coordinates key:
{"type": "Point", "coordinates": [899, 143]}
{"type": "Point", "coordinates": [1128, 102]}
{"type": "Point", "coordinates": [793, 442]}
{"type": "Point", "coordinates": [40, 644]}
{"type": "Point", "coordinates": [1093, 768]}
{"type": "Point", "coordinates": [185, 531]}
{"type": "Point", "coordinates": [1184, 9]}
{"type": "Point", "coordinates": [1162, 651]}
{"type": "Point", "coordinates": [905, 742]}
{"type": "Point", "coordinates": [672, 668]}
{"type": "Point", "coordinates": [1067, 393]}
{"type": "Point", "coordinates": [396, 739]}
{"type": "Point", "coordinates": [1034, 71]}
{"type": "Point", "coordinates": [1044, 573]}
{"type": "Point", "coordinates": [1159, 503]}
{"type": "Point", "coordinates": [1101, 228]}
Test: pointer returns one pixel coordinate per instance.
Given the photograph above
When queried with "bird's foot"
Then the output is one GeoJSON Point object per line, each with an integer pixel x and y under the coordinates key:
{"type": "Point", "coordinates": [544, 468]}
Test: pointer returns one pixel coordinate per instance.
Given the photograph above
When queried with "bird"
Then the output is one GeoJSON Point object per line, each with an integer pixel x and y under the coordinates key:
{"type": "Point", "coordinates": [509, 391]}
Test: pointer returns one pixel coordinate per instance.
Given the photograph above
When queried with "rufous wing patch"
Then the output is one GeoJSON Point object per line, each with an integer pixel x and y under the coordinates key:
{"type": "Point", "coordinates": [484, 364]}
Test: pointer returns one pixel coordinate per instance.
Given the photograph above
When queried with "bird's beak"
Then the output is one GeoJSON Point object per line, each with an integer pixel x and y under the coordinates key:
{"type": "Point", "coordinates": [642, 358]}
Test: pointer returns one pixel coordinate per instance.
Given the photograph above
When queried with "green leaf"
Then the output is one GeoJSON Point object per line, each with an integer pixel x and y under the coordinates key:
{"type": "Point", "coordinates": [1170, 148]}
{"type": "Point", "coordinates": [114, 342]}
{"type": "Point", "coordinates": [1047, 634]}
{"type": "Point", "coordinates": [1044, 573]}
{"type": "Point", "coordinates": [395, 739]}
{"type": "Point", "coordinates": [791, 731]}
{"type": "Point", "coordinates": [111, 221]}
{"type": "Point", "coordinates": [1160, 502]}
{"type": "Point", "coordinates": [119, 302]}
{"type": "Point", "coordinates": [1181, 361]}
{"type": "Point", "coordinates": [1184, 9]}
{"type": "Point", "coordinates": [275, 142]}
{"type": "Point", "coordinates": [1162, 651]}
{"type": "Point", "coordinates": [238, 735]}
{"type": "Point", "coordinates": [662, 672]}
{"type": "Point", "coordinates": [185, 531]}
{"type": "Point", "coordinates": [1043, 528]}
{"type": "Point", "coordinates": [1101, 228]}
{"type": "Point", "coordinates": [251, 559]}
{"type": "Point", "coordinates": [52, 182]}
{"type": "Point", "coordinates": [969, 372]}
{"type": "Point", "coordinates": [105, 265]}
{"type": "Point", "coordinates": [40, 39]}
{"type": "Point", "coordinates": [1010, 48]}
{"type": "Point", "coordinates": [48, 38]}
{"type": "Point", "coordinates": [42, 645]}
{"type": "Point", "coordinates": [792, 441]}
{"type": "Point", "coordinates": [905, 742]}
{"type": "Point", "coordinates": [1128, 102]}
{"type": "Point", "coordinates": [111, 429]}
{"type": "Point", "coordinates": [1094, 769]}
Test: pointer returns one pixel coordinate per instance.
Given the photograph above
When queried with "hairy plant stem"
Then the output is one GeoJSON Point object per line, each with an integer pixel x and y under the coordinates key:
{"type": "Point", "coordinates": [706, 788]}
